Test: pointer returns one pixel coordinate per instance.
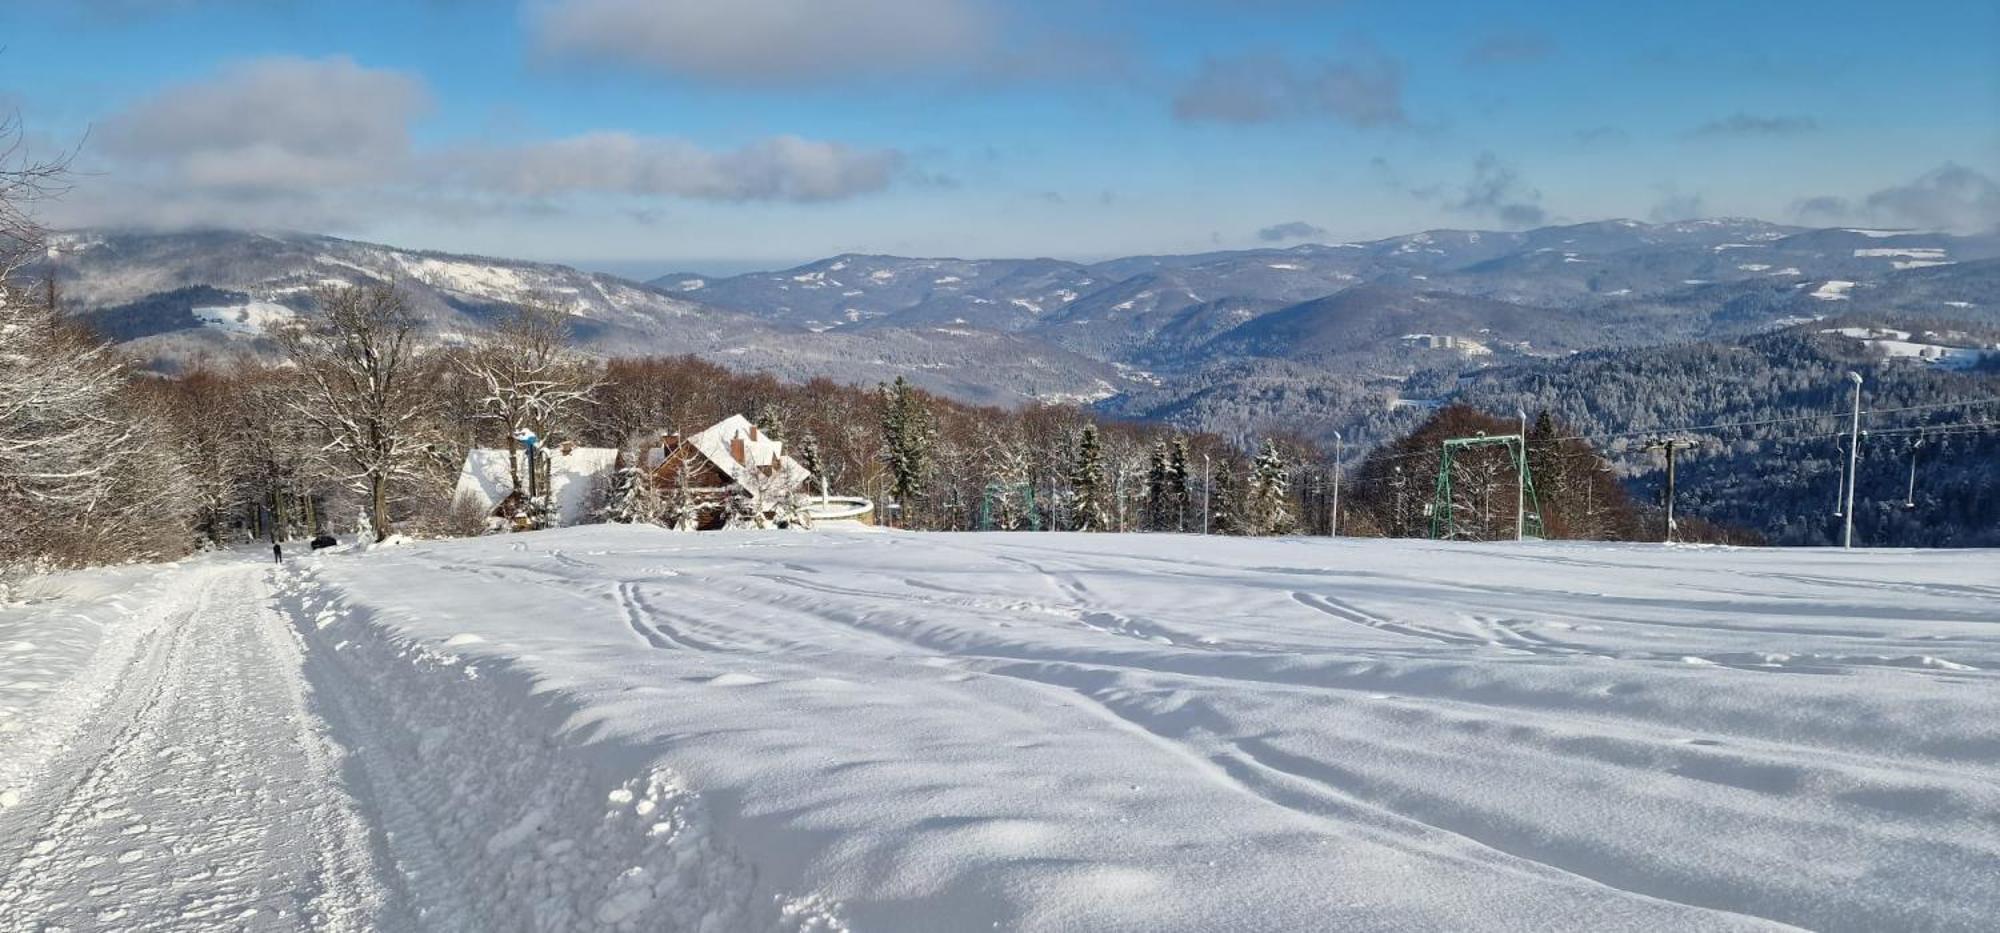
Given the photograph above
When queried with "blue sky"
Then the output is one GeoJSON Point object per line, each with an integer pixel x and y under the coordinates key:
{"type": "Point", "coordinates": [658, 134]}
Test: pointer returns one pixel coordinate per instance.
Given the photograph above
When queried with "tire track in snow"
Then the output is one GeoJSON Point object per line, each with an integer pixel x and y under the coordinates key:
{"type": "Point", "coordinates": [215, 799]}
{"type": "Point", "coordinates": [1347, 613]}
{"type": "Point", "coordinates": [1253, 768]}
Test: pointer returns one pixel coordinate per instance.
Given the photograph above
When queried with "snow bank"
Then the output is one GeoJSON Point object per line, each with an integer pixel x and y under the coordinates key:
{"type": "Point", "coordinates": [64, 638]}
{"type": "Point", "coordinates": [1056, 732]}
{"type": "Point", "coordinates": [502, 816]}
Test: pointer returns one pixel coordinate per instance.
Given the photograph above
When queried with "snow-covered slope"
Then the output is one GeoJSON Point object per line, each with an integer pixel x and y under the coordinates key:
{"type": "Point", "coordinates": [1158, 732]}
{"type": "Point", "coordinates": [175, 297]}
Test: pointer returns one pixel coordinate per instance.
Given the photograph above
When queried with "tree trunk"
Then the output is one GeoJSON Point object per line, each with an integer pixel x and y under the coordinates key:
{"type": "Point", "coordinates": [378, 506]}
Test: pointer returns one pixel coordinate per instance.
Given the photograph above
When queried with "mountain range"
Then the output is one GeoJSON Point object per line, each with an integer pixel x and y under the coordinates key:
{"type": "Point", "coordinates": [1311, 339]}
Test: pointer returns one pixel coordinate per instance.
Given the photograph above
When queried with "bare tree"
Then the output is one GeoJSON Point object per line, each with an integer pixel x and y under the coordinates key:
{"type": "Point", "coordinates": [360, 385]}
{"type": "Point", "coordinates": [531, 377]}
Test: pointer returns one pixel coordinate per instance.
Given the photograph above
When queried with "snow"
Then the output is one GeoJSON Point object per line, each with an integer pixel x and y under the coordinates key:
{"type": "Point", "coordinates": [1835, 290]}
{"type": "Point", "coordinates": [468, 278]}
{"type": "Point", "coordinates": [256, 317]}
{"type": "Point", "coordinates": [758, 451]}
{"type": "Point", "coordinates": [1064, 732]}
{"type": "Point", "coordinates": [1897, 344]}
{"type": "Point", "coordinates": [574, 477]}
{"type": "Point", "coordinates": [1926, 252]}
{"type": "Point", "coordinates": [621, 728]}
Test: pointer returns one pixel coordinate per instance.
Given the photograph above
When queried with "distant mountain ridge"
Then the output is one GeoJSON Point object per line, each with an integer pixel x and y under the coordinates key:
{"type": "Point", "coordinates": [1614, 325]}
{"type": "Point", "coordinates": [1210, 340]}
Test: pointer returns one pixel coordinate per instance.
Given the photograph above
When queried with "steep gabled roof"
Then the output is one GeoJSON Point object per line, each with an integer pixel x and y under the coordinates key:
{"type": "Point", "coordinates": [765, 465]}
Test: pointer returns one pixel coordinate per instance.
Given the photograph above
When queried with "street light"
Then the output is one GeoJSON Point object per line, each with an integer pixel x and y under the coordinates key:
{"type": "Point", "coordinates": [1521, 483]}
{"type": "Point", "coordinates": [1333, 530]}
{"type": "Point", "coordinates": [1853, 460]}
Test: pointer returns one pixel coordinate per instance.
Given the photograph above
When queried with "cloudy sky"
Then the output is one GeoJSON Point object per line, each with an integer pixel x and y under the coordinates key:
{"type": "Point", "coordinates": [658, 134]}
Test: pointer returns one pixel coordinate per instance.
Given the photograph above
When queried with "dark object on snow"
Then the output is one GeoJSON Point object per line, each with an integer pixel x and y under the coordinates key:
{"type": "Point", "coordinates": [324, 541]}
{"type": "Point", "coordinates": [278, 551]}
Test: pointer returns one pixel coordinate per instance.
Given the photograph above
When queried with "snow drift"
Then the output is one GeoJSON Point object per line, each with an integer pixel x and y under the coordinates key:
{"type": "Point", "coordinates": [902, 731]}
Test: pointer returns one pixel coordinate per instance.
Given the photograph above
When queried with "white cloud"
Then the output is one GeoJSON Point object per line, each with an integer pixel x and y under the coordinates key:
{"type": "Point", "coordinates": [274, 124]}
{"type": "Point", "coordinates": [764, 41]}
{"type": "Point", "coordinates": [1951, 198]}
{"type": "Point", "coordinates": [779, 168]}
{"type": "Point", "coordinates": [326, 143]}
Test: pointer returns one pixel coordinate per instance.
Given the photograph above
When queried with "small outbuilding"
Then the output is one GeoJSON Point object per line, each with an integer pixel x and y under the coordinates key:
{"type": "Point", "coordinates": [575, 479]}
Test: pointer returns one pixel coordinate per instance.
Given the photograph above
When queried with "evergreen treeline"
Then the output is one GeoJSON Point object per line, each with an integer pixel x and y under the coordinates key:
{"type": "Point", "coordinates": [1779, 476]}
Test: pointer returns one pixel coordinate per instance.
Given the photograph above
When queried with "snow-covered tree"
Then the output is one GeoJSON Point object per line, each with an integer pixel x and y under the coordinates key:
{"type": "Point", "coordinates": [1009, 493]}
{"type": "Point", "coordinates": [360, 384]}
{"type": "Point", "coordinates": [1090, 511]}
{"type": "Point", "coordinates": [1159, 508]}
{"type": "Point", "coordinates": [530, 377]}
{"type": "Point", "coordinates": [1269, 508]}
{"type": "Point", "coordinates": [1225, 502]}
{"type": "Point", "coordinates": [907, 433]}
{"type": "Point", "coordinates": [1180, 497]}
{"type": "Point", "coordinates": [88, 472]}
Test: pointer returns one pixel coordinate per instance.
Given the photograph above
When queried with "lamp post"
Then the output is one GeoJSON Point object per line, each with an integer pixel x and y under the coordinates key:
{"type": "Point", "coordinates": [1853, 460]}
{"type": "Point", "coordinates": [1333, 529]}
{"type": "Point", "coordinates": [1521, 483]}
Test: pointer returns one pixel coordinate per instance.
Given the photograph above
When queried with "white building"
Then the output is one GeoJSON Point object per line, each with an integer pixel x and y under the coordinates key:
{"type": "Point", "coordinates": [575, 479]}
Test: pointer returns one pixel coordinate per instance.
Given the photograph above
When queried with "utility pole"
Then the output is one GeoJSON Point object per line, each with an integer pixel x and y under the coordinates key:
{"type": "Point", "coordinates": [1333, 529]}
{"type": "Point", "coordinates": [1669, 444]}
{"type": "Point", "coordinates": [1840, 487]}
{"type": "Point", "coordinates": [1521, 483]}
{"type": "Point", "coordinates": [1401, 517]}
{"type": "Point", "coordinates": [1910, 499]}
{"type": "Point", "coordinates": [1853, 460]}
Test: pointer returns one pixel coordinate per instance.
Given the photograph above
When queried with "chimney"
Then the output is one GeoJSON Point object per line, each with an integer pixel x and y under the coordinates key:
{"type": "Point", "coordinates": [753, 433]}
{"type": "Point", "coordinates": [568, 447]}
{"type": "Point", "coordinates": [670, 441]}
{"type": "Point", "coordinates": [736, 449]}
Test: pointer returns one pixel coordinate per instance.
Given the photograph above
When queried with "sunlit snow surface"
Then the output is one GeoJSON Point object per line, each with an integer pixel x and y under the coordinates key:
{"type": "Point", "coordinates": [622, 728]}
{"type": "Point", "coordinates": [1166, 732]}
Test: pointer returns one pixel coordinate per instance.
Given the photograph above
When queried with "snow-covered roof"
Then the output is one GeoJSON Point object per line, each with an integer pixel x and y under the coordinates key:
{"type": "Point", "coordinates": [759, 450]}
{"type": "Point", "coordinates": [487, 479]}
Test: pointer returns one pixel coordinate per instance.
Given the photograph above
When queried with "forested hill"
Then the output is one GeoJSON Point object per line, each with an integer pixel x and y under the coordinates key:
{"type": "Point", "coordinates": [1777, 466]}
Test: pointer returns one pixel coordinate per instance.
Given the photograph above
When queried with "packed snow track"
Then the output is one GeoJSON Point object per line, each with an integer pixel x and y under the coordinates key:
{"type": "Point", "coordinates": [618, 728]}
{"type": "Point", "coordinates": [203, 793]}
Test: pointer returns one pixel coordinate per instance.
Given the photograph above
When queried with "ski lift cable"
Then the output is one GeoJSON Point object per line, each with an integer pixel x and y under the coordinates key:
{"type": "Point", "coordinates": [1938, 429]}
{"type": "Point", "coordinates": [1933, 406]}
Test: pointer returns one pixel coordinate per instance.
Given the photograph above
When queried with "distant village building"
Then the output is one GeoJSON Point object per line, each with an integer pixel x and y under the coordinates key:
{"type": "Point", "coordinates": [731, 473]}
{"type": "Point", "coordinates": [572, 479]}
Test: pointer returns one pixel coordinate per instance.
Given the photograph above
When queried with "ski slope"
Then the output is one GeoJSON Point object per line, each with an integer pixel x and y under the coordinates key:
{"type": "Point", "coordinates": [626, 729]}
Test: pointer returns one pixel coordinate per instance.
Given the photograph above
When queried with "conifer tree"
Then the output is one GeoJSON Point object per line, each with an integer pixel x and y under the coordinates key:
{"type": "Point", "coordinates": [1180, 496]}
{"type": "Point", "coordinates": [1086, 480]}
{"type": "Point", "coordinates": [1159, 508]}
{"type": "Point", "coordinates": [906, 441]}
{"type": "Point", "coordinates": [1270, 511]}
{"type": "Point", "coordinates": [1226, 502]}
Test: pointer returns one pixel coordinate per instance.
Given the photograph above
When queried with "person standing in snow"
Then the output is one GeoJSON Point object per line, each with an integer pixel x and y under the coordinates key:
{"type": "Point", "coordinates": [278, 552]}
